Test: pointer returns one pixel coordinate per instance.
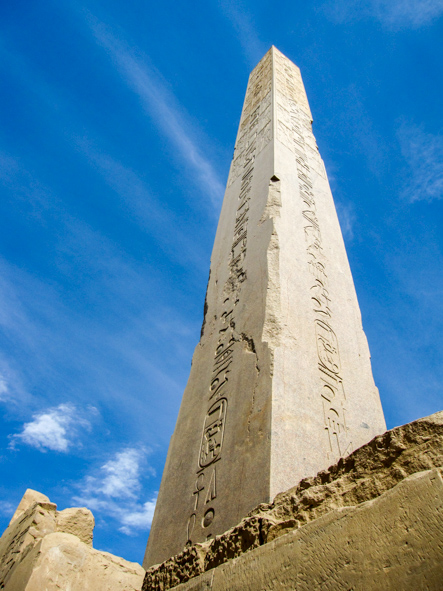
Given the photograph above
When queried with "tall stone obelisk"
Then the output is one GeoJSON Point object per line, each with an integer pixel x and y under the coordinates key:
{"type": "Point", "coordinates": [281, 383]}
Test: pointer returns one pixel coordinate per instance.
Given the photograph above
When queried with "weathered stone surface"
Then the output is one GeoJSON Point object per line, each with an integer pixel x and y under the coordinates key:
{"type": "Point", "coordinates": [392, 542]}
{"type": "Point", "coordinates": [366, 474]}
{"type": "Point", "coordinates": [78, 521]}
{"type": "Point", "coordinates": [281, 383]}
{"type": "Point", "coordinates": [43, 549]}
{"type": "Point", "coordinates": [19, 538]}
{"type": "Point", "coordinates": [29, 498]}
{"type": "Point", "coordinates": [62, 561]}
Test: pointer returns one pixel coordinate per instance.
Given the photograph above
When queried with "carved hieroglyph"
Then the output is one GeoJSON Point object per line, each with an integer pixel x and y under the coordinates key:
{"type": "Point", "coordinates": [281, 383]}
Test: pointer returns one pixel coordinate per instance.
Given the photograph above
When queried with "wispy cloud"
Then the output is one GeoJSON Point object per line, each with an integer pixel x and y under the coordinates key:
{"type": "Point", "coordinates": [32, 311]}
{"type": "Point", "coordinates": [115, 492]}
{"type": "Point", "coordinates": [408, 13]}
{"type": "Point", "coordinates": [346, 217]}
{"type": "Point", "coordinates": [7, 509]}
{"type": "Point", "coordinates": [8, 168]}
{"type": "Point", "coordinates": [162, 107]}
{"type": "Point", "coordinates": [4, 389]}
{"type": "Point", "coordinates": [135, 198]}
{"type": "Point", "coordinates": [124, 181]}
{"type": "Point", "coordinates": [140, 203]}
{"type": "Point", "coordinates": [357, 126]}
{"type": "Point", "coordinates": [392, 14]}
{"type": "Point", "coordinates": [423, 153]}
{"type": "Point", "coordinates": [138, 518]}
{"type": "Point", "coordinates": [54, 429]}
{"type": "Point", "coordinates": [120, 477]}
{"type": "Point", "coordinates": [47, 339]}
{"type": "Point", "coordinates": [243, 24]}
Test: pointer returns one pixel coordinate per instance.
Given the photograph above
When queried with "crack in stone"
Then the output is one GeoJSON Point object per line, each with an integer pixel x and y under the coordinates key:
{"type": "Point", "coordinates": [272, 326]}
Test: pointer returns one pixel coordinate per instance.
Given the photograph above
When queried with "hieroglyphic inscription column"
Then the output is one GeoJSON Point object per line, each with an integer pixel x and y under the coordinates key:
{"type": "Point", "coordinates": [281, 384]}
{"type": "Point", "coordinates": [254, 133]}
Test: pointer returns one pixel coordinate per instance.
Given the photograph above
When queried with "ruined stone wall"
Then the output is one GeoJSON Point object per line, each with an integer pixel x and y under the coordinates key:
{"type": "Point", "coordinates": [43, 549]}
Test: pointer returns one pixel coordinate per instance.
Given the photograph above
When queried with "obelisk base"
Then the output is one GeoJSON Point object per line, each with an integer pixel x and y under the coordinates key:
{"type": "Point", "coordinates": [386, 533]}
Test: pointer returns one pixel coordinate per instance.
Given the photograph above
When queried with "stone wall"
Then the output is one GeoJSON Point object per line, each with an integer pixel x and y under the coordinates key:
{"type": "Point", "coordinates": [393, 542]}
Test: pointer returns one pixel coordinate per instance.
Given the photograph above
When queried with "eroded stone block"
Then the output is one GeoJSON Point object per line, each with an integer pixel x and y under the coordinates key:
{"type": "Point", "coordinates": [43, 548]}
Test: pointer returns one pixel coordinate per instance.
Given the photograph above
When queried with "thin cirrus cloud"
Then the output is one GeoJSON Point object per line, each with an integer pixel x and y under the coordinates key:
{"type": "Point", "coordinates": [47, 334]}
{"type": "Point", "coordinates": [4, 389]}
{"type": "Point", "coordinates": [33, 310]}
{"type": "Point", "coordinates": [346, 216]}
{"type": "Point", "coordinates": [54, 429]}
{"type": "Point", "coordinates": [115, 492]}
{"type": "Point", "coordinates": [120, 475]}
{"type": "Point", "coordinates": [140, 203]}
{"type": "Point", "coordinates": [7, 509]}
{"type": "Point", "coordinates": [243, 25]}
{"type": "Point", "coordinates": [12, 390]}
{"type": "Point", "coordinates": [138, 517]}
{"type": "Point", "coordinates": [65, 120]}
{"type": "Point", "coordinates": [48, 338]}
{"type": "Point", "coordinates": [423, 153]}
{"type": "Point", "coordinates": [162, 106]}
{"type": "Point", "coordinates": [392, 14]}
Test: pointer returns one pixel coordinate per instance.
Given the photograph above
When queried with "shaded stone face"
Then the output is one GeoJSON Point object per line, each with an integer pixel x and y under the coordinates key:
{"type": "Point", "coordinates": [281, 383]}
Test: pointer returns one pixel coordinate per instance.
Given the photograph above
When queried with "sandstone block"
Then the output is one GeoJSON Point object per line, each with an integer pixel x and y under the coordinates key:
{"type": "Point", "coordinates": [29, 498]}
{"type": "Point", "coordinates": [43, 549]}
{"type": "Point", "coordinates": [62, 561]}
{"type": "Point", "coordinates": [77, 521]}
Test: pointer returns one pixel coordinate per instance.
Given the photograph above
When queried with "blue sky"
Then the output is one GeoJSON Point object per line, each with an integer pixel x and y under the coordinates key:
{"type": "Point", "coordinates": [117, 129]}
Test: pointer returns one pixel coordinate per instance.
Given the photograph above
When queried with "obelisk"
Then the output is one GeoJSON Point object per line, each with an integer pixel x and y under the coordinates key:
{"type": "Point", "coordinates": [281, 383]}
